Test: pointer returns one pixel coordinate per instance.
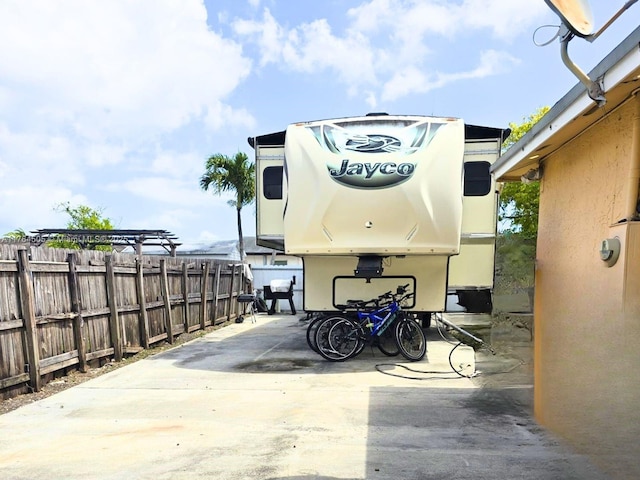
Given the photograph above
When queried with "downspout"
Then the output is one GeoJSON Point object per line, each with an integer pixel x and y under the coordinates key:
{"type": "Point", "coordinates": [631, 206]}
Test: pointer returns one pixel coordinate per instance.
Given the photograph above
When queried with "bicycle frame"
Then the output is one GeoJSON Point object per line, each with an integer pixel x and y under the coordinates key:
{"type": "Point", "coordinates": [338, 338]}
{"type": "Point", "coordinates": [380, 318]}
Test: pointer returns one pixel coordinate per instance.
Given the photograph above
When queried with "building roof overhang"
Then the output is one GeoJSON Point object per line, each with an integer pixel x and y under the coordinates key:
{"type": "Point", "coordinates": [574, 113]}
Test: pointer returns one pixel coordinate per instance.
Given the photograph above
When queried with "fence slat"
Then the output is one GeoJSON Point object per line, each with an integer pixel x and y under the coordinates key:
{"type": "Point", "coordinates": [100, 353]}
{"type": "Point", "coordinates": [164, 284]}
{"type": "Point", "coordinates": [62, 358]}
{"type": "Point", "coordinates": [76, 306]}
{"type": "Point", "coordinates": [114, 321]}
{"type": "Point", "coordinates": [11, 381]}
{"type": "Point", "coordinates": [28, 312]}
{"type": "Point", "coordinates": [11, 325]}
{"type": "Point", "coordinates": [230, 306]}
{"type": "Point", "coordinates": [157, 338]}
{"type": "Point", "coordinates": [203, 293]}
{"type": "Point", "coordinates": [59, 317]}
{"type": "Point", "coordinates": [216, 293]}
{"type": "Point", "coordinates": [185, 295]}
{"type": "Point", "coordinates": [144, 318]}
{"type": "Point", "coordinates": [8, 266]}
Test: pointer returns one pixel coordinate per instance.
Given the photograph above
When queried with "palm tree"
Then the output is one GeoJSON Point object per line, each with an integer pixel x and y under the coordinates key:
{"type": "Point", "coordinates": [226, 174]}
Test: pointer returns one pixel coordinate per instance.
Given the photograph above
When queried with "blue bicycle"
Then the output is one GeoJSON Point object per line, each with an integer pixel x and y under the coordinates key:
{"type": "Point", "coordinates": [339, 337]}
{"type": "Point", "coordinates": [385, 341]}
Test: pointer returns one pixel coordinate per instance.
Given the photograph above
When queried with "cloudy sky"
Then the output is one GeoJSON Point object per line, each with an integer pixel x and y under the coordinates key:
{"type": "Point", "coordinates": [117, 104]}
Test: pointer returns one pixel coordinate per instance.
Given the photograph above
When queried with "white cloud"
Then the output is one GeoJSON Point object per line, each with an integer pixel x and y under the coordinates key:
{"type": "Point", "coordinates": [387, 45]}
{"type": "Point", "coordinates": [90, 90]}
{"type": "Point", "coordinates": [311, 48]}
{"type": "Point", "coordinates": [165, 190]}
{"type": "Point", "coordinates": [115, 68]}
{"type": "Point", "coordinates": [38, 158]}
{"type": "Point", "coordinates": [98, 155]}
{"type": "Point", "coordinates": [179, 165]}
{"type": "Point", "coordinates": [414, 80]}
{"type": "Point", "coordinates": [410, 79]}
{"type": "Point", "coordinates": [505, 18]}
{"type": "Point", "coordinates": [493, 62]}
{"type": "Point", "coordinates": [170, 219]}
{"type": "Point", "coordinates": [415, 19]}
{"type": "Point", "coordinates": [371, 99]}
{"type": "Point", "coordinates": [31, 207]}
{"type": "Point", "coordinates": [201, 241]}
{"type": "Point", "coordinates": [405, 18]}
{"type": "Point", "coordinates": [219, 115]}
{"type": "Point", "coordinates": [269, 34]}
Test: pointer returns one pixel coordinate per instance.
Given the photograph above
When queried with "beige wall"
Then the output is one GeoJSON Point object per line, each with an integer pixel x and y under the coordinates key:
{"type": "Point", "coordinates": [587, 316]}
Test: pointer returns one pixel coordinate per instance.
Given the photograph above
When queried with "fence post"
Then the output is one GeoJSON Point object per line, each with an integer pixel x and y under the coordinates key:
{"type": "Point", "coordinates": [203, 293]}
{"type": "Point", "coordinates": [185, 296]}
{"type": "Point", "coordinates": [27, 303]}
{"type": "Point", "coordinates": [233, 278]}
{"type": "Point", "coordinates": [76, 307]}
{"type": "Point", "coordinates": [216, 292]}
{"type": "Point", "coordinates": [142, 303]}
{"type": "Point", "coordinates": [114, 319]}
{"type": "Point", "coordinates": [164, 284]}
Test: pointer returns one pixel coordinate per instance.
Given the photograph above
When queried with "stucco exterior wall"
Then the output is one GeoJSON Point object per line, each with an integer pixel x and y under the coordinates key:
{"type": "Point", "coordinates": [587, 316]}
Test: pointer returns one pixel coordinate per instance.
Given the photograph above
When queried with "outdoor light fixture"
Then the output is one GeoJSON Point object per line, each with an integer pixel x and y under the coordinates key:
{"type": "Point", "coordinates": [532, 175]}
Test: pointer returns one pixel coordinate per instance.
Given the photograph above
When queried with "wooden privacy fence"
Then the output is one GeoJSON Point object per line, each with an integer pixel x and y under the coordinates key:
{"type": "Point", "coordinates": [62, 309]}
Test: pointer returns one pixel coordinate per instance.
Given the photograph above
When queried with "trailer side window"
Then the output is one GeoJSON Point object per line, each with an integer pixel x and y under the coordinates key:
{"type": "Point", "coordinates": [272, 183]}
{"type": "Point", "coordinates": [477, 179]}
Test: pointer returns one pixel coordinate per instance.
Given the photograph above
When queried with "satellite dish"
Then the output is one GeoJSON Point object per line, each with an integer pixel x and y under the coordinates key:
{"type": "Point", "coordinates": [575, 14]}
{"type": "Point", "coordinates": [577, 20]}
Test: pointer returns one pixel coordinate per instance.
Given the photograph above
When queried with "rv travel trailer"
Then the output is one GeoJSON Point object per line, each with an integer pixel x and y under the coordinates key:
{"type": "Point", "coordinates": [373, 202]}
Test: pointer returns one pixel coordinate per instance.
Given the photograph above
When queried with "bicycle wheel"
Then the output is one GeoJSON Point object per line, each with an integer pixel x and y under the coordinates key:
{"type": "Point", "coordinates": [387, 343]}
{"type": "Point", "coordinates": [312, 328]}
{"type": "Point", "coordinates": [410, 339]}
{"type": "Point", "coordinates": [361, 332]}
{"type": "Point", "coordinates": [337, 339]}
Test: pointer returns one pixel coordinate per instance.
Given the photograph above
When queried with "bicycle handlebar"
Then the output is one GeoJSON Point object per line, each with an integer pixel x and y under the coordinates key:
{"type": "Point", "coordinates": [401, 290]}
